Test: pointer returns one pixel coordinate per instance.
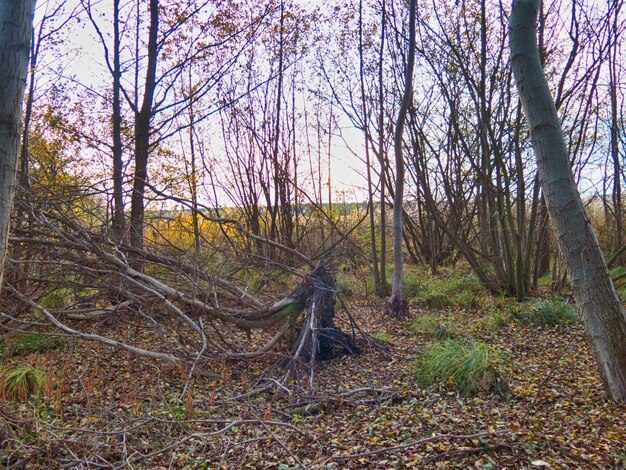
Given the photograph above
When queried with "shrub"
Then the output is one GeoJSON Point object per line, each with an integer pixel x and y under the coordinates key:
{"type": "Point", "coordinates": [548, 312]}
{"type": "Point", "coordinates": [468, 367]}
{"type": "Point", "coordinates": [432, 327]}
{"type": "Point", "coordinates": [26, 343]}
{"type": "Point", "coordinates": [22, 381]}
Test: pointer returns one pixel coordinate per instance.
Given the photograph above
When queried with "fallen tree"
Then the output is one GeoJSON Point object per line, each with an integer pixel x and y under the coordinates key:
{"type": "Point", "coordinates": [193, 316]}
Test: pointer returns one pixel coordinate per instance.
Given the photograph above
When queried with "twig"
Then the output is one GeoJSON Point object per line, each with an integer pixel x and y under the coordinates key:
{"type": "Point", "coordinates": [416, 443]}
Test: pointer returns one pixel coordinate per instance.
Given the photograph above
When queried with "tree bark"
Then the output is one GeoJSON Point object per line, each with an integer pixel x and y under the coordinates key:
{"type": "Point", "coordinates": [397, 302]}
{"type": "Point", "coordinates": [368, 163]}
{"type": "Point", "coordinates": [143, 119]}
{"type": "Point", "coordinates": [118, 195]}
{"type": "Point", "coordinates": [382, 159]}
{"type": "Point", "coordinates": [614, 64]}
{"type": "Point", "coordinates": [602, 311]}
{"type": "Point", "coordinates": [16, 17]}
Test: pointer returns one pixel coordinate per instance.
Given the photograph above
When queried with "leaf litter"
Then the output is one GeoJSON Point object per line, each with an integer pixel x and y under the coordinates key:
{"type": "Point", "coordinates": [109, 409]}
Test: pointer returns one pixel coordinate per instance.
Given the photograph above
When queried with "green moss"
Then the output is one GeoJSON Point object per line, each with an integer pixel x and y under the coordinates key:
{"type": "Point", "coordinates": [56, 298]}
{"type": "Point", "coordinates": [292, 310]}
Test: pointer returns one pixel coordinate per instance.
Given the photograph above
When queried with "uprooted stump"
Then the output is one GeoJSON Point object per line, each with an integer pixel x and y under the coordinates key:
{"type": "Point", "coordinates": [319, 338]}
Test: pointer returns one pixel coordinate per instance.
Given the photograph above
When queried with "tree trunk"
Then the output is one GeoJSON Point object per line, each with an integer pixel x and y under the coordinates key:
{"type": "Point", "coordinates": [16, 18]}
{"type": "Point", "coordinates": [142, 134]}
{"type": "Point", "coordinates": [118, 198]}
{"type": "Point", "coordinates": [368, 166]}
{"type": "Point", "coordinates": [382, 159]}
{"type": "Point", "coordinates": [397, 302]}
{"type": "Point", "coordinates": [614, 64]}
{"type": "Point", "coordinates": [602, 311]}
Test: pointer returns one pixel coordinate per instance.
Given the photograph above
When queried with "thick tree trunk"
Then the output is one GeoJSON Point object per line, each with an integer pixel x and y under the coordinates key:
{"type": "Point", "coordinates": [319, 338]}
{"type": "Point", "coordinates": [16, 17]}
{"type": "Point", "coordinates": [598, 301]}
{"type": "Point", "coordinates": [397, 302]}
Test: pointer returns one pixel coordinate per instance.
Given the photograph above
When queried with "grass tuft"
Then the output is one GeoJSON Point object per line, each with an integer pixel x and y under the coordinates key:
{"type": "Point", "coordinates": [453, 290]}
{"type": "Point", "coordinates": [27, 343]}
{"type": "Point", "coordinates": [437, 301]}
{"type": "Point", "coordinates": [497, 320]}
{"type": "Point", "coordinates": [470, 368]}
{"type": "Point", "coordinates": [549, 313]}
{"type": "Point", "coordinates": [412, 285]}
{"type": "Point", "coordinates": [467, 299]}
{"type": "Point", "coordinates": [432, 327]}
{"type": "Point", "coordinates": [383, 337]}
{"type": "Point", "coordinates": [20, 382]}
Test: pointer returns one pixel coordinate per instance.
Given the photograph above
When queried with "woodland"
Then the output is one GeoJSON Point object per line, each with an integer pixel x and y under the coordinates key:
{"type": "Point", "coordinates": [287, 234]}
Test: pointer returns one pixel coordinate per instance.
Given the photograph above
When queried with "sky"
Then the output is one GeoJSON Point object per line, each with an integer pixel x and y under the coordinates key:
{"type": "Point", "coordinates": [78, 61]}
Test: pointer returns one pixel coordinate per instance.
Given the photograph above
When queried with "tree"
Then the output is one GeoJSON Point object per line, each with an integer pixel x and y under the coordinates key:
{"type": "Point", "coordinates": [397, 302]}
{"type": "Point", "coordinates": [119, 222]}
{"type": "Point", "coordinates": [143, 117]}
{"type": "Point", "coordinates": [16, 17]}
{"type": "Point", "coordinates": [602, 310]}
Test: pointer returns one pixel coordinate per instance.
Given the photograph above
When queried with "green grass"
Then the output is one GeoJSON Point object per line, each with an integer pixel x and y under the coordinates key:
{"type": "Point", "coordinates": [453, 290]}
{"type": "Point", "coordinates": [383, 337]}
{"type": "Point", "coordinates": [548, 312]}
{"type": "Point", "coordinates": [22, 381]}
{"type": "Point", "coordinates": [27, 343]}
{"type": "Point", "coordinates": [497, 319]}
{"type": "Point", "coordinates": [432, 326]}
{"type": "Point", "coordinates": [469, 368]}
{"type": "Point", "coordinates": [412, 285]}
{"type": "Point", "coordinates": [436, 301]}
{"type": "Point", "coordinates": [346, 284]}
{"type": "Point", "coordinates": [467, 299]}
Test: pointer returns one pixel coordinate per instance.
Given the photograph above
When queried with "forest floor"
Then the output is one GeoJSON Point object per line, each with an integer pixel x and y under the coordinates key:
{"type": "Point", "coordinates": [104, 408]}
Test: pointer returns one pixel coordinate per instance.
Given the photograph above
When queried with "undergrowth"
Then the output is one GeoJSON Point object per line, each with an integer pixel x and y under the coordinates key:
{"type": "Point", "coordinates": [548, 312]}
{"type": "Point", "coordinates": [469, 368]}
{"type": "Point", "coordinates": [21, 381]}
{"type": "Point", "coordinates": [26, 343]}
{"type": "Point", "coordinates": [383, 337]}
{"type": "Point", "coordinates": [432, 326]}
{"type": "Point", "coordinates": [453, 290]}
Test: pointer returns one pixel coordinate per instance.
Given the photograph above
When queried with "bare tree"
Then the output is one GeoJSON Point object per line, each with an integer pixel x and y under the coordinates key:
{"type": "Point", "coordinates": [602, 310]}
{"type": "Point", "coordinates": [397, 302]}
